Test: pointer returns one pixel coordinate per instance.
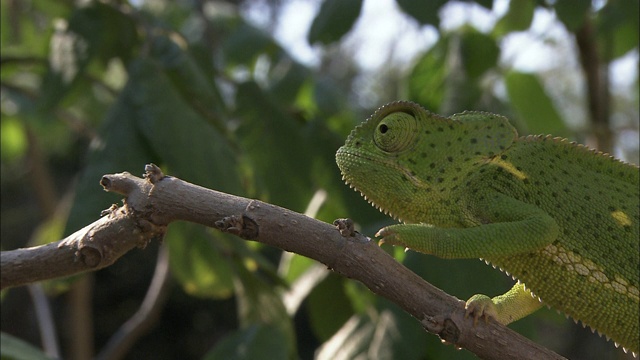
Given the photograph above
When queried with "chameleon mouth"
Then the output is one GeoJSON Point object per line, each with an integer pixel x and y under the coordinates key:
{"type": "Point", "coordinates": [349, 163]}
{"type": "Point", "coordinates": [370, 201]}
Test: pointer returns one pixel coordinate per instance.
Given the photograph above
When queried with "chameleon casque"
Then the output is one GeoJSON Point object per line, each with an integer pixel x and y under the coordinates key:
{"type": "Point", "coordinates": [559, 217]}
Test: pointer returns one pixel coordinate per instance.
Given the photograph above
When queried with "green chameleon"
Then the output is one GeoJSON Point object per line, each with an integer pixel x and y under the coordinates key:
{"type": "Point", "coordinates": [559, 217]}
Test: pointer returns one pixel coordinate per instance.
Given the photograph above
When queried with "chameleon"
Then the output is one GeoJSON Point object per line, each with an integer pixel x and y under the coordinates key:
{"type": "Point", "coordinates": [560, 218]}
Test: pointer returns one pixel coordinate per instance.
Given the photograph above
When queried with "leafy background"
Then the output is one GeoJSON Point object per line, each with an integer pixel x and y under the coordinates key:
{"type": "Point", "coordinates": [207, 92]}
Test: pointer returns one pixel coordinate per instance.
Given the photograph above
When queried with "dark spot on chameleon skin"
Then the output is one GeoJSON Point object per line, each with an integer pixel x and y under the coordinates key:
{"type": "Point", "coordinates": [459, 139]}
{"type": "Point", "coordinates": [473, 140]}
{"type": "Point", "coordinates": [611, 208]}
{"type": "Point", "coordinates": [427, 132]}
{"type": "Point", "coordinates": [440, 129]}
{"type": "Point", "coordinates": [432, 165]}
{"type": "Point", "coordinates": [433, 146]}
{"type": "Point", "coordinates": [448, 143]}
{"type": "Point", "coordinates": [440, 180]}
{"type": "Point", "coordinates": [504, 157]}
{"type": "Point", "coordinates": [412, 161]}
{"type": "Point", "coordinates": [450, 158]}
{"type": "Point", "coordinates": [450, 127]}
{"type": "Point", "coordinates": [598, 216]}
{"type": "Point", "coordinates": [526, 181]}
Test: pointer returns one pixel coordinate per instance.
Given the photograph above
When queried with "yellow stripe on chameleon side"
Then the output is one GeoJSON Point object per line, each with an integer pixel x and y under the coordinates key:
{"type": "Point", "coordinates": [594, 273]}
{"type": "Point", "coordinates": [510, 168]}
{"type": "Point", "coordinates": [621, 218]}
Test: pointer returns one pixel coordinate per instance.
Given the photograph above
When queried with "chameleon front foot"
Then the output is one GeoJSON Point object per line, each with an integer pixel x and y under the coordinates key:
{"type": "Point", "coordinates": [480, 306]}
{"type": "Point", "coordinates": [388, 236]}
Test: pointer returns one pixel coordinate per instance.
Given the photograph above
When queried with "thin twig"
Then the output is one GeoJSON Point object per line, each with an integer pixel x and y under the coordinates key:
{"type": "Point", "coordinates": [45, 321]}
{"type": "Point", "coordinates": [146, 316]}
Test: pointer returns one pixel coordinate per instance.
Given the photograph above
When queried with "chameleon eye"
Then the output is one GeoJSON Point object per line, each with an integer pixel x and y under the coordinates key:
{"type": "Point", "coordinates": [396, 132]}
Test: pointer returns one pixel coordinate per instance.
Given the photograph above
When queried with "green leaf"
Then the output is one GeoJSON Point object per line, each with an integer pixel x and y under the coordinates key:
{"type": "Point", "coordinates": [533, 105]}
{"type": "Point", "coordinates": [424, 11]}
{"type": "Point", "coordinates": [478, 52]}
{"type": "Point", "coordinates": [197, 262]}
{"type": "Point", "coordinates": [517, 18]}
{"type": "Point", "coordinates": [275, 151]}
{"type": "Point", "coordinates": [618, 28]}
{"type": "Point", "coordinates": [259, 302]}
{"type": "Point", "coordinates": [194, 85]}
{"type": "Point", "coordinates": [16, 349]}
{"type": "Point", "coordinates": [328, 307]}
{"type": "Point", "coordinates": [166, 120]}
{"type": "Point", "coordinates": [287, 79]}
{"type": "Point", "coordinates": [246, 43]}
{"type": "Point", "coordinates": [334, 20]}
{"type": "Point", "coordinates": [572, 13]}
{"type": "Point", "coordinates": [120, 147]}
{"type": "Point", "coordinates": [427, 79]}
{"type": "Point", "coordinates": [259, 342]}
{"type": "Point", "coordinates": [14, 139]}
{"type": "Point", "coordinates": [97, 31]}
{"type": "Point", "coordinates": [487, 4]}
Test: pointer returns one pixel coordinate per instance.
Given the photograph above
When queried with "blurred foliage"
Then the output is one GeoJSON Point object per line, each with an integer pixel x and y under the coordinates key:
{"type": "Point", "coordinates": [97, 87]}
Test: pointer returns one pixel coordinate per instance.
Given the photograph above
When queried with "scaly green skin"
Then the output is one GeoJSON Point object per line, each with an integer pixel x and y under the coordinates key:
{"type": "Point", "coordinates": [559, 217]}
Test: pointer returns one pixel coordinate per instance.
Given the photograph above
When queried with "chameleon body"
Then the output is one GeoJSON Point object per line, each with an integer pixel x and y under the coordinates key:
{"type": "Point", "coordinates": [560, 218]}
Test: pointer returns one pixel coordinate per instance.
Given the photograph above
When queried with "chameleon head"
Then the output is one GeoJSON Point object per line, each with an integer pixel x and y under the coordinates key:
{"type": "Point", "coordinates": [407, 161]}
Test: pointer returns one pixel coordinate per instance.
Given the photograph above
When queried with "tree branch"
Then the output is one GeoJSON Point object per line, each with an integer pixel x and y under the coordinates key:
{"type": "Point", "coordinates": [152, 204]}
